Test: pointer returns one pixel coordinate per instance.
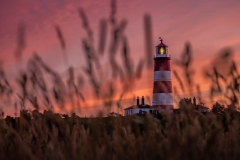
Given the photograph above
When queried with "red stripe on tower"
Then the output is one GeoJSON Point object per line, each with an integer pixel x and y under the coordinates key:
{"type": "Point", "coordinates": [162, 85]}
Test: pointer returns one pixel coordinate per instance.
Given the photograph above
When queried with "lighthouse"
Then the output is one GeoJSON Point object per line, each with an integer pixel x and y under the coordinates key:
{"type": "Point", "coordinates": [162, 85]}
{"type": "Point", "coordinates": [162, 99]}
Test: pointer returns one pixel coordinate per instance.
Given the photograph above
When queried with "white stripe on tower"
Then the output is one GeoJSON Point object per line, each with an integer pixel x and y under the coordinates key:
{"type": "Point", "coordinates": [162, 99]}
{"type": "Point", "coordinates": [162, 75]}
{"type": "Point", "coordinates": [162, 85]}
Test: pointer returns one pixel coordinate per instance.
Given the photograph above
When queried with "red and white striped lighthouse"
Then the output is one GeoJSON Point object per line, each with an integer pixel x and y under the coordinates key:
{"type": "Point", "coordinates": [162, 85]}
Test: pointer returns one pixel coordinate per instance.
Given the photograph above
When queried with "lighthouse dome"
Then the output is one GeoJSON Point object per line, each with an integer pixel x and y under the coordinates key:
{"type": "Point", "coordinates": [161, 44]}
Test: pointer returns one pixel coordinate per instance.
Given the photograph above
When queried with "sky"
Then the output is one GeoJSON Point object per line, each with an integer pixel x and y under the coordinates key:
{"type": "Point", "coordinates": [209, 26]}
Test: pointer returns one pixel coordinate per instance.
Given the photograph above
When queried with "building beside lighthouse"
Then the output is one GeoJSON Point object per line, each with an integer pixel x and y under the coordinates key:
{"type": "Point", "coordinates": [162, 98]}
{"type": "Point", "coordinates": [139, 108]}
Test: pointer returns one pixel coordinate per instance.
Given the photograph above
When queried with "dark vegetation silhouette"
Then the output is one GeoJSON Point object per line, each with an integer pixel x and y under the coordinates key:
{"type": "Point", "coordinates": [39, 134]}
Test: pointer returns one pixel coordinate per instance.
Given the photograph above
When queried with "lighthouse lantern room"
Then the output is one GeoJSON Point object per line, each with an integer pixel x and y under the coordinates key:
{"type": "Point", "coordinates": [161, 49]}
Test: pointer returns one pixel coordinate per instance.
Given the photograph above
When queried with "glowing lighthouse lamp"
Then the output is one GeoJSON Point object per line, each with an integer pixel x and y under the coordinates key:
{"type": "Point", "coordinates": [162, 86]}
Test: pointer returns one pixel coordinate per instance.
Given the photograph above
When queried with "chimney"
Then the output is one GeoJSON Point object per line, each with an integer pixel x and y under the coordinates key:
{"type": "Point", "coordinates": [194, 101]}
{"type": "Point", "coordinates": [143, 100]}
{"type": "Point", "coordinates": [137, 101]}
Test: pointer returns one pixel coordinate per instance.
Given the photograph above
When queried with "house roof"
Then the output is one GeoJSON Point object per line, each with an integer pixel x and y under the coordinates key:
{"type": "Point", "coordinates": [139, 106]}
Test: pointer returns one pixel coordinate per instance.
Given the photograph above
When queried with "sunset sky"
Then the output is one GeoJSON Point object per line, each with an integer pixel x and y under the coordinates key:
{"type": "Point", "coordinates": [209, 26]}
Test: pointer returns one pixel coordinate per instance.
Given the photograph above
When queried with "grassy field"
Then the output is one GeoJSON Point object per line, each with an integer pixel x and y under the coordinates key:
{"type": "Point", "coordinates": [187, 135]}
